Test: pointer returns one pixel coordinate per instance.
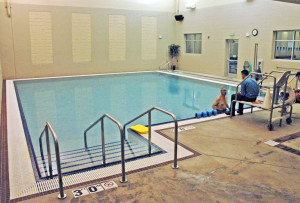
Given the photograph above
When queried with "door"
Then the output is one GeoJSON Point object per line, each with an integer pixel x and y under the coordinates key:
{"type": "Point", "coordinates": [232, 57]}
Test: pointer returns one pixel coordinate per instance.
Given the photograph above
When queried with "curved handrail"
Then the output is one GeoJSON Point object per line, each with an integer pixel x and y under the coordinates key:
{"type": "Point", "coordinates": [8, 8]}
{"type": "Point", "coordinates": [97, 121]}
{"type": "Point", "coordinates": [175, 166]}
{"type": "Point", "coordinates": [61, 195]}
{"type": "Point", "coordinates": [103, 141]}
{"type": "Point", "coordinates": [274, 71]}
{"type": "Point", "coordinates": [165, 63]}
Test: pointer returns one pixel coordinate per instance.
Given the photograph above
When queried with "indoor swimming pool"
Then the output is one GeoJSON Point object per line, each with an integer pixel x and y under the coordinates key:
{"type": "Point", "coordinates": [71, 104]}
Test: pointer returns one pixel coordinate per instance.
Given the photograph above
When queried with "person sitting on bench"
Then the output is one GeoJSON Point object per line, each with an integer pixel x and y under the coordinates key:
{"type": "Point", "coordinates": [249, 92]}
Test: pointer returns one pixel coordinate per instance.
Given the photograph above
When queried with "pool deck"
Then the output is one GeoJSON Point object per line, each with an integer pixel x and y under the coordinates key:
{"type": "Point", "coordinates": [235, 165]}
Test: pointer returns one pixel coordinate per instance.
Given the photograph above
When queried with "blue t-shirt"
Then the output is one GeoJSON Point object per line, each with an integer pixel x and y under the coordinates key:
{"type": "Point", "coordinates": [249, 88]}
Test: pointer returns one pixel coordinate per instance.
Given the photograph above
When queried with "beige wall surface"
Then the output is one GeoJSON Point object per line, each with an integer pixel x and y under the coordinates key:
{"type": "Point", "coordinates": [217, 19]}
{"type": "Point", "coordinates": [16, 51]}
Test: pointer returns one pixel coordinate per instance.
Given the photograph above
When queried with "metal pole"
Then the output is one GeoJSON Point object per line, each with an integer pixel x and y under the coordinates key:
{"type": "Point", "coordinates": [42, 151]}
{"type": "Point", "coordinates": [103, 141]}
{"type": "Point", "coordinates": [149, 132]}
{"type": "Point", "coordinates": [61, 195]}
{"type": "Point", "coordinates": [273, 100]}
{"type": "Point", "coordinates": [122, 132]}
{"type": "Point", "coordinates": [85, 143]}
{"type": "Point", "coordinates": [175, 166]}
{"type": "Point", "coordinates": [49, 152]}
{"type": "Point", "coordinates": [255, 57]}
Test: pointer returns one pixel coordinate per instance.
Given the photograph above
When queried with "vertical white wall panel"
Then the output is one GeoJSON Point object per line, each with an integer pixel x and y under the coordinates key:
{"type": "Point", "coordinates": [40, 25]}
{"type": "Point", "coordinates": [149, 35]}
{"type": "Point", "coordinates": [81, 38]}
{"type": "Point", "coordinates": [117, 37]}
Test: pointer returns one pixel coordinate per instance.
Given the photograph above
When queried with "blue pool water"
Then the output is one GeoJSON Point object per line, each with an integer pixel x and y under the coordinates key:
{"type": "Point", "coordinates": [72, 104]}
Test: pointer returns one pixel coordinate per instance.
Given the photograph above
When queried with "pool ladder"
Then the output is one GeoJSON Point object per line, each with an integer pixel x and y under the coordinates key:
{"type": "Point", "coordinates": [122, 134]}
{"type": "Point", "coordinates": [101, 119]}
{"type": "Point", "coordinates": [164, 65]}
{"type": "Point", "coordinates": [46, 129]}
{"type": "Point", "coordinates": [175, 166]}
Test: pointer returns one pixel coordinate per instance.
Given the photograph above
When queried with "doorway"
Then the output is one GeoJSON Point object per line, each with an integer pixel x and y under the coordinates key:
{"type": "Point", "coordinates": [232, 57]}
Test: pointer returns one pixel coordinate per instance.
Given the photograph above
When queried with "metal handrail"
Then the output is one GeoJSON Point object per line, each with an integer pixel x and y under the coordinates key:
{"type": "Point", "coordinates": [61, 195]}
{"type": "Point", "coordinates": [165, 63]}
{"type": "Point", "coordinates": [175, 166]}
{"type": "Point", "coordinates": [123, 180]}
{"type": "Point", "coordinates": [274, 71]}
{"type": "Point", "coordinates": [8, 8]}
{"type": "Point", "coordinates": [284, 98]}
{"type": "Point", "coordinates": [273, 99]}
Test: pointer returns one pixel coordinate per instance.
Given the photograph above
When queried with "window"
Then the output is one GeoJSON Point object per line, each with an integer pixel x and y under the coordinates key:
{"type": "Point", "coordinates": [193, 43]}
{"type": "Point", "coordinates": [287, 45]}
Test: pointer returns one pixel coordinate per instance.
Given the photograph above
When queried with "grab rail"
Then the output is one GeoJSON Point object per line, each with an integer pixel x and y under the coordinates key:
{"type": "Point", "coordinates": [284, 97]}
{"type": "Point", "coordinates": [175, 166]}
{"type": "Point", "coordinates": [163, 64]}
{"type": "Point", "coordinates": [8, 8]}
{"type": "Point", "coordinates": [274, 71]}
{"type": "Point", "coordinates": [123, 180]}
{"type": "Point", "coordinates": [61, 195]}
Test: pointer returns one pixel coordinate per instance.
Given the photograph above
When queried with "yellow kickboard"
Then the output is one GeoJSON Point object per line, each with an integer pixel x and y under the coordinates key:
{"type": "Point", "coordinates": [139, 129]}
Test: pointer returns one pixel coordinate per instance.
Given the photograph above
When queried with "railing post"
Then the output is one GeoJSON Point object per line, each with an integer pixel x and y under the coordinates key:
{"type": "Point", "coordinates": [149, 132]}
{"type": "Point", "coordinates": [42, 152]}
{"type": "Point", "coordinates": [49, 152]}
{"type": "Point", "coordinates": [85, 142]}
{"type": "Point", "coordinates": [175, 166]}
{"type": "Point", "coordinates": [61, 195]}
{"type": "Point", "coordinates": [123, 180]}
{"type": "Point", "coordinates": [103, 141]}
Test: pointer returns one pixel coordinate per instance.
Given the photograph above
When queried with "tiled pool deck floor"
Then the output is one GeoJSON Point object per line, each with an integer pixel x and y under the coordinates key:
{"type": "Point", "coordinates": [235, 166]}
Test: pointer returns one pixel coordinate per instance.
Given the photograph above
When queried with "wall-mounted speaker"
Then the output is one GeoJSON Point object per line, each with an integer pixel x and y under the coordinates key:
{"type": "Point", "coordinates": [179, 17]}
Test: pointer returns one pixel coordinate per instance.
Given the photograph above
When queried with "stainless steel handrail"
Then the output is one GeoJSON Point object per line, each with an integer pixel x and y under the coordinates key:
{"type": "Point", "coordinates": [175, 166]}
{"type": "Point", "coordinates": [61, 195]}
{"type": "Point", "coordinates": [8, 8]}
{"type": "Point", "coordinates": [274, 71]}
{"type": "Point", "coordinates": [123, 180]}
{"type": "Point", "coordinates": [165, 63]}
{"type": "Point", "coordinates": [284, 98]}
{"type": "Point", "coordinates": [273, 98]}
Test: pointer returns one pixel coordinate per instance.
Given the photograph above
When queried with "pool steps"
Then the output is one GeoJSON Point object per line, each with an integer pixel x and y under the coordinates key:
{"type": "Point", "coordinates": [80, 159]}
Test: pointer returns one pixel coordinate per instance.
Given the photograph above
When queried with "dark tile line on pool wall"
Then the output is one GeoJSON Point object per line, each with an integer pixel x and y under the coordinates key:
{"type": "Point", "coordinates": [4, 173]}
